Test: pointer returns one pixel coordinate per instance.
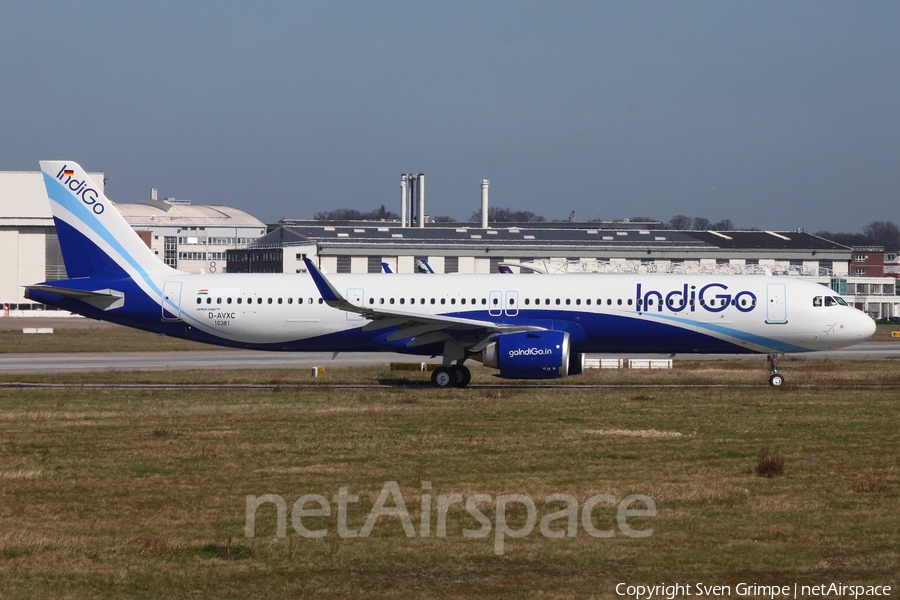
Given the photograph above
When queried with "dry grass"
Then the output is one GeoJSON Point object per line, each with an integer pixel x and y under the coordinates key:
{"type": "Point", "coordinates": [769, 464]}
{"type": "Point", "coordinates": [107, 339]}
{"type": "Point", "coordinates": [141, 493]}
{"type": "Point", "coordinates": [883, 333]}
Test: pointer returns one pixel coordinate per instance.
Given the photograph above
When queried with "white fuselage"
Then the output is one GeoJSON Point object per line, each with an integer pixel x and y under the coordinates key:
{"type": "Point", "coordinates": [664, 313]}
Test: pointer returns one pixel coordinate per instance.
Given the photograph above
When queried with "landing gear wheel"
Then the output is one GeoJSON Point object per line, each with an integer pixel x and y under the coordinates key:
{"type": "Point", "coordinates": [775, 378]}
{"type": "Point", "coordinates": [463, 376]}
{"type": "Point", "coordinates": [443, 377]}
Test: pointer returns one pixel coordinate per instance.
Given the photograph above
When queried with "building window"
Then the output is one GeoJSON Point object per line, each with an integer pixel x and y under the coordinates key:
{"type": "Point", "coordinates": [859, 272]}
{"type": "Point", "coordinates": [170, 251]}
{"type": "Point", "coordinates": [373, 264]}
{"type": "Point", "coordinates": [54, 267]}
{"type": "Point", "coordinates": [451, 264]}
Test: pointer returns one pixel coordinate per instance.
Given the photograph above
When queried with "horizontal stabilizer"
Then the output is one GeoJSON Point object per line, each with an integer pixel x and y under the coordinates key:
{"type": "Point", "coordinates": [103, 299]}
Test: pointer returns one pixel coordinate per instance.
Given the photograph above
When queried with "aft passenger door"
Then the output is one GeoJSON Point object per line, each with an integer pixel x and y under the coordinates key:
{"type": "Point", "coordinates": [171, 301]}
{"type": "Point", "coordinates": [495, 309]}
{"type": "Point", "coordinates": [776, 305]}
{"type": "Point", "coordinates": [356, 297]}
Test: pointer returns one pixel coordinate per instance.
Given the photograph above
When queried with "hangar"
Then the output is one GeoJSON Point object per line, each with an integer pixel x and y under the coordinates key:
{"type": "Point", "coordinates": [189, 237]}
{"type": "Point", "coordinates": [361, 247]}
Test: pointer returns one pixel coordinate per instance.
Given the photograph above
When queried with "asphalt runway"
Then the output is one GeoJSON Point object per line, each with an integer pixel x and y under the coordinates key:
{"type": "Point", "coordinates": [92, 362]}
{"type": "Point", "coordinates": [220, 359]}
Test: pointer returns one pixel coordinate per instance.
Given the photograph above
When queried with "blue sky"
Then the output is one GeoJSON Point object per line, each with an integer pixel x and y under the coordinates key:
{"type": "Point", "coordinates": [776, 115]}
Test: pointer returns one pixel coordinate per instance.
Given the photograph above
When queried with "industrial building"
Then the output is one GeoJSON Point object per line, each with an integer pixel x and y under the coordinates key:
{"type": "Point", "coordinates": [188, 237]}
{"type": "Point", "coordinates": [28, 242]}
{"type": "Point", "coordinates": [415, 245]}
{"type": "Point", "coordinates": [191, 238]}
{"type": "Point", "coordinates": [461, 248]}
{"type": "Point", "coordinates": [363, 247]}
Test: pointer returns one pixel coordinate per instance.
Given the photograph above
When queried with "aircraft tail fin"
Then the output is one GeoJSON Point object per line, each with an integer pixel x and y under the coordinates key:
{"type": "Point", "coordinates": [95, 239]}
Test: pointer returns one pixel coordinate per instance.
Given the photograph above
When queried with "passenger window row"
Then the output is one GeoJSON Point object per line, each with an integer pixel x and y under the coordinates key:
{"type": "Point", "coordinates": [241, 300]}
{"type": "Point", "coordinates": [817, 301]}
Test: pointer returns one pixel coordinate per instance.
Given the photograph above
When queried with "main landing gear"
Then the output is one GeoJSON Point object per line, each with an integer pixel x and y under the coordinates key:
{"type": "Point", "coordinates": [449, 375]}
{"type": "Point", "coordinates": [775, 378]}
{"type": "Point", "coordinates": [452, 376]}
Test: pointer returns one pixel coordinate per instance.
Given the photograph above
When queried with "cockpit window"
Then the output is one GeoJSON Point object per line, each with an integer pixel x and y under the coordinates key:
{"type": "Point", "coordinates": [817, 301]}
{"type": "Point", "coordinates": [829, 301]}
{"type": "Point", "coordinates": [840, 301]}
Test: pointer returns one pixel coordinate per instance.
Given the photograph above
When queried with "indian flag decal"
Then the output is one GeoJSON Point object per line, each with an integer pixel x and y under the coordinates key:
{"type": "Point", "coordinates": [202, 292]}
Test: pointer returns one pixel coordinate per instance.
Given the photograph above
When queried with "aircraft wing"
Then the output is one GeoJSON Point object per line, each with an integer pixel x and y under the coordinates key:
{"type": "Point", "coordinates": [424, 328]}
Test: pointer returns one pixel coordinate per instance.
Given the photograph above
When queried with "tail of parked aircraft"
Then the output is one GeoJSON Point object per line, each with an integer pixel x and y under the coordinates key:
{"type": "Point", "coordinates": [95, 239]}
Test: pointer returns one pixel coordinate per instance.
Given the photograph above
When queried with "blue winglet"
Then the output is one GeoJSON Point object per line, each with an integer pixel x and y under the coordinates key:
{"type": "Point", "coordinates": [328, 292]}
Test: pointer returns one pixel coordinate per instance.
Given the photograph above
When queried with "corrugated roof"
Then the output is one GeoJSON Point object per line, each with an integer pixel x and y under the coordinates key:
{"type": "Point", "coordinates": [23, 200]}
{"type": "Point", "coordinates": [495, 236]}
{"type": "Point", "coordinates": [187, 214]}
{"type": "Point", "coordinates": [513, 236]}
{"type": "Point", "coordinates": [769, 240]}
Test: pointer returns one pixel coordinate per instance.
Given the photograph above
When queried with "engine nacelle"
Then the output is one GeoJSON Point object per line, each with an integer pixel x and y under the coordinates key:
{"type": "Point", "coordinates": [529, 355]}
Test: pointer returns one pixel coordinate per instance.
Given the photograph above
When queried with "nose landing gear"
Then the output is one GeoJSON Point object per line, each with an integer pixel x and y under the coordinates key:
{"type": "Point", "coordinates": [775, 378]}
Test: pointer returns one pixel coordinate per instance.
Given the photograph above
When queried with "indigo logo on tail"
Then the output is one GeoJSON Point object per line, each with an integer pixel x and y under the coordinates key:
{"type": "Point", "coordinates": [79, 187]}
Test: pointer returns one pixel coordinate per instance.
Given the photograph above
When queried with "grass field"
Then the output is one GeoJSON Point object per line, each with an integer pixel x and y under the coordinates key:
{"type": "Point", "coordinates": [142, 494]}
{"type": "Point", "coordinates": [112, 339]}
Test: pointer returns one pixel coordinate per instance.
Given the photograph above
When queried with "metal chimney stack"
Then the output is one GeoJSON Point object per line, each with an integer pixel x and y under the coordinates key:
{"type": "Point", "coordinates": [153, 194]}
{"type": "Point", "coordinates": [484, 203]}
{"type": "Point", "coordinates": [421, 192]}
{"type": "Point", "coordinates": [412, 200]}
{"type": "Point", "coordinates": [404, 191]}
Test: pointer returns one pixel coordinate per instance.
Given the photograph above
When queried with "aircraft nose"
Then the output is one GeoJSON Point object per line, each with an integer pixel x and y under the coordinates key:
{"type": "Point", "coordinates": [864, 325]}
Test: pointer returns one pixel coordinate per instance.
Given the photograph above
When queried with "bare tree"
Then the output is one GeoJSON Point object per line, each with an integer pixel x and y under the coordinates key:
{"type": "Point", "coordinates": [723, 225]}
{"type": "Point", "coordinates": [351, 214]}
{"type": "Point", "coordinates": [883, 233]}
{"type": "Point", "coordinates": [701, 223]}
{"type": "Point", "coordinates": [846, 239]}
{"type": "Point", "coordinates": [498, 214]}
{"type": "Point", "coordinates": [681, 222]}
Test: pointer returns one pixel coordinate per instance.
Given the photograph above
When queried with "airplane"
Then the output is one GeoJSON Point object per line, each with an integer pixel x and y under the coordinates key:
{"type": "Point", "coordinates": [526, 327]}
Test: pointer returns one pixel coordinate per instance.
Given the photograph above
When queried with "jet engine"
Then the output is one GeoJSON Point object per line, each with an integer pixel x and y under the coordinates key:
{"type": "Point", "coordinates": [529, 355]}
